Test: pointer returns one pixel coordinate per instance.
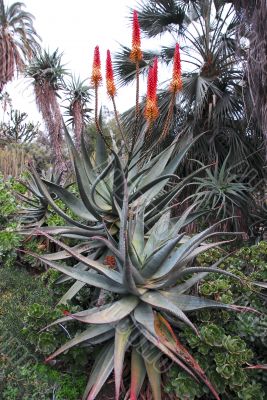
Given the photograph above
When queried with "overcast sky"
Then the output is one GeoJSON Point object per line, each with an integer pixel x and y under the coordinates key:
{"type": "Point", "coordinates": [76, 27]}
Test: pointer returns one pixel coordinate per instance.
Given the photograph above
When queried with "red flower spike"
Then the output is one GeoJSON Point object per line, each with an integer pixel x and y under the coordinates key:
{"type": "Point", "coordinates": [176, 83]}
{"type": "Point", "coordinates": [151, 110]}
{"type": "Point", "coordinates": [136, 53]}
{"type": "Point", "coordinates": [96, 77]}
{"type": "Point", "coordinates": [66, 312]}
{"type": "Point", "coordinates": [111, 88]}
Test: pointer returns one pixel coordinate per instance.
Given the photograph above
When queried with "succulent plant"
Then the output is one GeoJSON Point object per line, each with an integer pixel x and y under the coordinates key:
{"type": "Point", "coordinates": [147, 278]}
{"type": "Point", "coordinates": [35, 212]}
{"type": "Point", "coordinates": [132, 254]}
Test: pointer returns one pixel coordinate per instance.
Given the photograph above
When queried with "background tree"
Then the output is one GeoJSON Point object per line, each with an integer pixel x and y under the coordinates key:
{"type": "Point", "coordinates": [18, 129]}
{"type": "Point", "coordinates": [19, 40]}
{"type": "Point", "coordinates": [46, 71]}
{"type": "Point", "coordinates": [78, 96]}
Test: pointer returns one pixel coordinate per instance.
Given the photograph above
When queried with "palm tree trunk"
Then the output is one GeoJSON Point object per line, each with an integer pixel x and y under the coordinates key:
{"type": "Point", "coordinates": [254, 14]}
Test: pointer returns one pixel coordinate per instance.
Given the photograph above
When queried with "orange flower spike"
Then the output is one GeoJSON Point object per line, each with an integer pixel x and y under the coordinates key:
{"type": "Point", "coordinates": [151, 109]}
{"type": "Point", "coordinates": [96, 77]}
{"type": "Point", "coordinates": [176, 83]}
{"type": "Point", "coordinates": [111, 88]}
{"type": "Point", "coordinates": [136, 53]}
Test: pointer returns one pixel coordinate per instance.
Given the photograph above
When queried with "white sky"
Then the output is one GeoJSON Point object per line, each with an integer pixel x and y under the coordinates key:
{"type": "Point", "coordinates": [76, 27]}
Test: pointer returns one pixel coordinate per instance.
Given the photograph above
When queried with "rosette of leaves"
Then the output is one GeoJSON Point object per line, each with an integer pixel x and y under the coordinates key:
{"type": "Point", "coordinates": [222, 190]}
{"type": "Point", "coordinates": [146, 289]}
{"type": "Point", "coordinates": [36, 205]}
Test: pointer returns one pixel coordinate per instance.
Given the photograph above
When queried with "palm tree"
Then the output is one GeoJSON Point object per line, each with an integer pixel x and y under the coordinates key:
{"type": "Point", "coordinates": [18, 40]}
{"type": "Point", "coordinates": [46, 71]}
{"type": "Point", "coordinates": [214, 88]}
{"type": "Point", "coordinates": [78, 96]}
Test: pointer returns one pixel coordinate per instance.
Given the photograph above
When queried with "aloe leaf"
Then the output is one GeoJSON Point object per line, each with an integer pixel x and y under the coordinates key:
{"type": "Point", "coordinates": [144, 315]}
{"type": "Point", "coordinates": [102, 338]}
{"type": "Point", "coordinates": [174, 163]}
{"type": "Point", "coordinates": [192, 303]}
{"type": "Point", "coordinates": [103, 366]}
{"type": "Point", "coordinates": [184, 250]}
{"type": "Point", "coordinates": [157, 185]}
{"type": "Point", "coordinates": [73, 290]}
{"type": "Point", "coordinates": [159, 166]}
{"type": "Point", "coordinates": [118, 181]}
{"type": "Point", "coordinates": [193, 270]}
{"type": "Point", "coordinates": [128, 276]}
{"type": "Point", "coordinates": [84, 184]}
{"type": "Point", "coordinates": [156, 260]}
{"type": "Point", "coordinates": [80, 248]}
{"type": "Point", "coordinates": [88, 334]}
{"type": "Point", "coordinates": [101, 150]}
{"type": "Point", "coordinates": [90, 278]}
{"type": "Point", "coordinates": [201, 249]}
{"type": "Point", "coordinates": [164, 349]}
{"type": "Point", "coordinates": [188, 284]}
{"type": "Point", "coordinates": [155, 234]}
{"type": "Point", "coordinates": [168, 337]}
{"type": "Point", "coordinates": [261, 284]}
{"type": "Point", "coordinates": [122, 334]}
{"type": "Point", "coordinates": [154, 376]}
{"type": "Point", "coordinates": [51, 202]}
{"type": "Point", "coordinates": [99, 200]}
{"type": "Point", "coordinates": [112, 313]}
{"type": "Point", "coordinates": [263, 366]}
{"type": "Point", "coordinates": [138, 234]}
{"type": "Point", "coordinates": [114, 275]}
{"type": "Point", "coordinates": [157, 300]}
{"type": "Point", "coordinates": [71, 201]}
{"type": "Point", "coordinates": [89, 169]}
{"type": "Point", "coordinates": [138, 373]}
{"type": "Point", "coordinates": [66, 231]}
{"type": "Point", "coordinates": [163, 200]}
{"type": "Point", "coordinates": [68, 317]}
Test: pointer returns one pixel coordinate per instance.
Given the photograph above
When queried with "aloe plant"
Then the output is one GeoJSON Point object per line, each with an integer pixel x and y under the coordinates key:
{"type": "Point", "coordinates": [125, 216]}
{"type": "Point", "coordinates": [130, 251]}
{"type": "Point", "coordinates": [149, 288]}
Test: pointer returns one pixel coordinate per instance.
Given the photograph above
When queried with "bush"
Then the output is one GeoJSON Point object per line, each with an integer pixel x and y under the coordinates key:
{"type": "Point", "coordinates": [24, 310]}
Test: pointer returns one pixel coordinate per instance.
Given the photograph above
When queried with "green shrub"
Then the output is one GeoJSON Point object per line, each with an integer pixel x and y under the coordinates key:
{"type": "Point", "coordinates": [26, 302]}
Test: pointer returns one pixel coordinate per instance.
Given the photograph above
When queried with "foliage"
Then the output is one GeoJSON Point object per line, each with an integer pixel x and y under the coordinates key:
{"type": "Point", "coordinates": [18, 129]}
{"type": "Point", "coordinates": [227, 344]}
{"type": "Point", "coordinates": [19, 40]}
{"type": "Point", "coordinates": [226, 193]}
{"type": "Point", "coordinates": [29, 306]}
{"type": "Point", "coordinates": [9, 238]}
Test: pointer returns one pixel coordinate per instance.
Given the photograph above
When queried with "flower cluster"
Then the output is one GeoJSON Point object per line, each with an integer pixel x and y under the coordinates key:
{"type": "Point", "coordinates": [96, 77]}
{"type": "Point", "coordinates": [151, 109]}
{"type": "Point", "coordinates": [111, 88]}
{"type": "Point", "coordinates": [176, 83]}
{"type": "Point", "coordinates": [136, 53]}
